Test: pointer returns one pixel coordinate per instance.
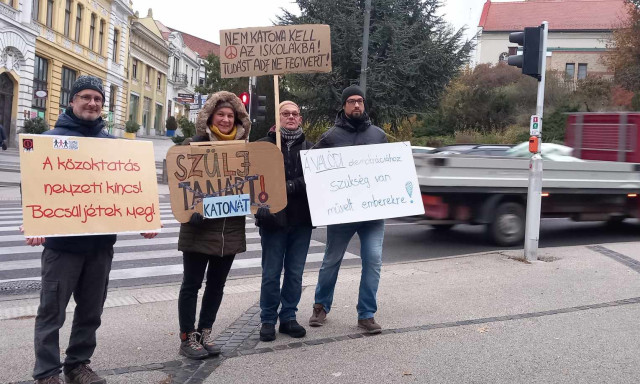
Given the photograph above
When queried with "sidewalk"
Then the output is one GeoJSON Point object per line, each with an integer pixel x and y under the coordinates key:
{"type": "Point", "coordinates": [486, 318]}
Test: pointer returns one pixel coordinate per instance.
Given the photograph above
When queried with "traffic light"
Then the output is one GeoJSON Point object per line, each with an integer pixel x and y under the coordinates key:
{"type": "Point", "coordinates": [244, 97]}
{"type": "Point", "coordinates": [258, 108]}
{"type": "Point", "coordinates": [531, 59]}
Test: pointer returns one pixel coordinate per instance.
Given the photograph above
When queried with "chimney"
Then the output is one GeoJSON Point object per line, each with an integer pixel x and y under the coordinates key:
{"type": "Point", "coordinates": [150, 13]}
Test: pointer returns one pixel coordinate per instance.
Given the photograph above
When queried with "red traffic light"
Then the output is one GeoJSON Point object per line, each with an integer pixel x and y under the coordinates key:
{"type": "Point", "coordinates": [244, 97]}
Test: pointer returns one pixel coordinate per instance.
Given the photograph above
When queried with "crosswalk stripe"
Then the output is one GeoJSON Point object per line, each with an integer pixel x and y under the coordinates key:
{"type": "Point", "coordinates": [250, 224]}
{"type": "Point", "coordinates": [7, 238]}
{"type": "Point", "coordinates": [176, 269]}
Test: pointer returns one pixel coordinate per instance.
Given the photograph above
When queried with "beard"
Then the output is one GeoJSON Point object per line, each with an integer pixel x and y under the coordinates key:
{"type": "Point", "coordinates": [356, 115]}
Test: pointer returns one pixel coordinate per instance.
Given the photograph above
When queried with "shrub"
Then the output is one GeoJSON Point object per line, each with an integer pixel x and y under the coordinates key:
{"type": "Point", "coordinates": [131, 126]}
{"type": "Point", "coordinates": [187, 127]}
{"type": "Point", "coordinates": [171, 124]}
{"type": "Point", "coordinates": [35, 126]}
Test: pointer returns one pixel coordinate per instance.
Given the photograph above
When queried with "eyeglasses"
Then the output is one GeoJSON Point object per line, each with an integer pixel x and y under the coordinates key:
{"type": "Point", "coordinates": [354, 101]}
{"type": "Point", "coordinates": [87, 99]}
{"type": "Point", "coordinates": [287, 114]}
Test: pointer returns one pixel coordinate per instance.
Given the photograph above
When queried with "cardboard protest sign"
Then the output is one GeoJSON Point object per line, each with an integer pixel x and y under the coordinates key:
{"type": "Point", "coordinates": [359, 183]}
{"type": "Point", "coordinates": [87, 186]}
{"type": "Point", "coordinates": [275, 50]}
{"type": "Point", "coordinates": [209, 170]}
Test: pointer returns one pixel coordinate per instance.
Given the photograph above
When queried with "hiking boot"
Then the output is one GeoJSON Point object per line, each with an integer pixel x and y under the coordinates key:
{"type": "Point", "coordinates": [267, 332]}
{"type": "Point", "coordinates": [50, 380]}
{"type": "Point", "coordinates": [207, 342]}
{"type": "Point", "coordinates": [370, 326]}
{"type": "Point", "coordinates": [190, 346]}
{"type": "Point", "coordinates": [318, 317]}
{"type": "Point", "coordinates": [83, 374]}
{"type": "Point", "coordinates": [292, 328]}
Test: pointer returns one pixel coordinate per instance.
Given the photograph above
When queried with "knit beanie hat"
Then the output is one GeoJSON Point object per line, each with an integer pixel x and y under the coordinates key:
{"type": "Point", "coordinates": [87, 82]}
{"type": "Point", "coordinates": [351, 91]}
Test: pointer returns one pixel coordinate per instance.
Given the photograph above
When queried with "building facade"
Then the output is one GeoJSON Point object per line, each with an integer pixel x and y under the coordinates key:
{"type": "Point", "coordinates": [578, 32]}
{"type": "Point", "coordinates": [17, 52]}
{"type": "Point", "coordinates": [149, 66]}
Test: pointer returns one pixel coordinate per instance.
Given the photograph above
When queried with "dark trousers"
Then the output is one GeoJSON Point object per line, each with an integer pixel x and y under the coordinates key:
{"type": "Point", "coordinates": [194, 266]}
{"type": "Point", "coordinates": [286, 249]}
{"type": "Point", "coordinates": [86, 276]}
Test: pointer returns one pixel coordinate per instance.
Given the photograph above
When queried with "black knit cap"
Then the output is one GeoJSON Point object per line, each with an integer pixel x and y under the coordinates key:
{"type": "Point", "coordinates": [87, 82]}
{"type": "Point", "coordinates": [351, 90]}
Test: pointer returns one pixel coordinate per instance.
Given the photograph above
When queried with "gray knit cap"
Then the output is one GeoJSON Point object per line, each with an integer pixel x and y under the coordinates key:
{"type": "Point", "coordinates": [87, 82]}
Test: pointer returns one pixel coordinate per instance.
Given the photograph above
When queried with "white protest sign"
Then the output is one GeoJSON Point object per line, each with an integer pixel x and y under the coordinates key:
{"type": "Point", "coordinates": [226, 206]}
{"type": "Point", "coordinates": [360, 183]}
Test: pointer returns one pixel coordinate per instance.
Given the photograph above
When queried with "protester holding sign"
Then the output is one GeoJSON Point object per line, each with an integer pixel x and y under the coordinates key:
{"type": "Point", "coordinates": [352, 127]}
{"type": "Point", "coordinates": [212, 242]}
{"type": "Point", "coordinates": [285, 235]}
{"type": "Point", "coordinates": [77, 265]}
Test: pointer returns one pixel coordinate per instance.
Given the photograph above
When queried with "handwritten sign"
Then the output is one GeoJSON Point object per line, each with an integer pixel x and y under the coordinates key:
{"type": "Point", "coordinates": [275, 50]}
{"type": "Point", "coordinates": [213, 169]}
{"type": "Point", "coordinates": [87, 186]}
{"type": "Point", "coordinates": [226, 206]}
{"type": "Point", "coordinates": [360, 183]}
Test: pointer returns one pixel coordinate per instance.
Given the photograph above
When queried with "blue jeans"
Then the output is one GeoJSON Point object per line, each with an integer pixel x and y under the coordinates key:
{"type": "Point", "coordinates": [288, 248]}
{"type": "Point", "coordinates": [371, 235]}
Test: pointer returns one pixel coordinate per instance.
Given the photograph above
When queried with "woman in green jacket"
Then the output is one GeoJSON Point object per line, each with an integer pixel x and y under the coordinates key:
{"type": "Point", "coordinates": [210, 242]}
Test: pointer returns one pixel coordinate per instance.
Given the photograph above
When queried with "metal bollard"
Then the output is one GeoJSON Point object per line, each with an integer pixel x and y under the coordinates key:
{"type": "Point", "coordinates": [165, 177]}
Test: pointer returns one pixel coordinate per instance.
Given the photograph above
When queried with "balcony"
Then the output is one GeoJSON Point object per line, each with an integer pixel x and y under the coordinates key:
{"type": "Point", "coordinates": [179, 79]}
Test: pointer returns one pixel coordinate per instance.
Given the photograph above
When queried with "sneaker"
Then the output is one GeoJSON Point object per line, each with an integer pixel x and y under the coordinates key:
{"type": "Point", "coordinates": [267, 332]}
{"type": "Point", "coordinates": [190, 346]}
{"type": "Point", "coordinates": [318, 317]}
{"type": "Point", "coordinates": [292, 328]}
{"type": "Point", "coordinates": [370, 326]}
{"type": "Point", "coordinates": [49, 380]}
{"type": "Point", "coordinates": [208, 343]}
{"type": "Point", "coordinates": [83, 374]}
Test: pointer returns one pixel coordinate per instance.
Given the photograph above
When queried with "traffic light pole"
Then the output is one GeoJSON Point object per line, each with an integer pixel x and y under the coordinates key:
{"type": "Point", "coordinates": [276, 90]}
{"type": "Point", "coordinates": [534, 193]}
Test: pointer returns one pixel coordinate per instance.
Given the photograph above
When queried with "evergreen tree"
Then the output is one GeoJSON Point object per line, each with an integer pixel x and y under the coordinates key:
{"type": "Point", "coordinates": [413, 54]}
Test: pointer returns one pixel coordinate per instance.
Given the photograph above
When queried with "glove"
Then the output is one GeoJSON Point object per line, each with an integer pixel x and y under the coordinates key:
{"type": "Point", "coordinates": [196, 218]}
{"type": "Point", "coordinates": [263, 214]}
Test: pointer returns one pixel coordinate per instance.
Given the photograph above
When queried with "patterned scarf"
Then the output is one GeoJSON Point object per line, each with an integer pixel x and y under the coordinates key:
{"type": "Point", "coordinates": [290, 136]}
{"type": "Point", "coordinates": [214, 133]}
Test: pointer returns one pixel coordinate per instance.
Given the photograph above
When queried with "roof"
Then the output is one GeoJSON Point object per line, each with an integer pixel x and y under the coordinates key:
{"type": "Point", "coordinates": [564, 15]}
{"type": "Point", "coordinates": [201, 46]}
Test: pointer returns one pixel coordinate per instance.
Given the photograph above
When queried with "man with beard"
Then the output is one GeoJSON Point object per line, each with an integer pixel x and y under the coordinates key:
{"type": "Point", "coordinates": [352, 127]}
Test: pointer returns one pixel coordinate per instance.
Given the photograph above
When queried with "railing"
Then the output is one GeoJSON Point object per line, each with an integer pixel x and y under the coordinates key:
{"type": "Point", "coordinates": [179, 79]}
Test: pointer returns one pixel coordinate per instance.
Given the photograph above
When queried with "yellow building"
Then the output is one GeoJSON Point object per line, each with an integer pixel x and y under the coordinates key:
{"type": "Point", "coordinates": [148, 68]}
{"type": "Point", "coordinates": [80, 37]}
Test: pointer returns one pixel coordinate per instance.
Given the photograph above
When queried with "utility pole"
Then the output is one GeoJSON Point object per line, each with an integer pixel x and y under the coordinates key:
{"type": "Point", "coordinates": [365, 47]}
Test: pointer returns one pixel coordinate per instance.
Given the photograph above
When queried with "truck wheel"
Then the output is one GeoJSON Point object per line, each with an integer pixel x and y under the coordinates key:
{"type": "Point", "coordinates": [441, 227]}
{"type": "Point", "coordinates": [508, 226]}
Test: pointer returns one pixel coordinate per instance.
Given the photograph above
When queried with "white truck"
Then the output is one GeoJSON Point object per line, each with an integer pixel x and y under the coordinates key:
{"type": "Point", "coordinates": [492, 191]}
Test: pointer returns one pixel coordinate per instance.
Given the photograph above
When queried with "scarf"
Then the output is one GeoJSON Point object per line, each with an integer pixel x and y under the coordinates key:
{"type": "Point", "coordinates": [215, 134]}
{"type": "Point", "coordinates": [290, 136]}
{"type": "Point", "coordinates": [87, 128]}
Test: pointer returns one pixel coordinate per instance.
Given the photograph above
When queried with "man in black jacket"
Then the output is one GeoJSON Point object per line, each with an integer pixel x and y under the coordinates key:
{"type": "Point", "coordinates": [286, 235]}
{"type": "Point", "coordinates": [352, 127]}
{"type": "Point", "coordinates": [77, 265]}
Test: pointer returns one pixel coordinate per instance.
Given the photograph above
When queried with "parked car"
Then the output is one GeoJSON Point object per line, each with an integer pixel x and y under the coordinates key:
{"type": "Point", "coordinates": [417, 149]}
{"type": "Point", "coordinates": [474, 149]}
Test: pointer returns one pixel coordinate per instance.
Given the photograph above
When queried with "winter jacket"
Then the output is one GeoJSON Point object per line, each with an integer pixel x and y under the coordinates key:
{"type": "Point", "coordinates": [344, 134]}
{"type": "Point", "coordinates": [69, 125]}
{"type": "Point", "coordinates": [296, 212]}
{"type": "Point", "coordinates": [225, 236]}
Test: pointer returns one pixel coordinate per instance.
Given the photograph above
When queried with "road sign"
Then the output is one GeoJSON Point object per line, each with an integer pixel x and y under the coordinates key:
{"type": "Point", "coordinates": [535, 126]}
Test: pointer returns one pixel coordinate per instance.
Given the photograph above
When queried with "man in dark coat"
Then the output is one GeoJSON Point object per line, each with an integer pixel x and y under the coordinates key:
{"type": "Point", "coordinates": [286, 235]}
{"type": "Point", "coordinates": [77, 265]}
{"type": "Point", "coordinates": [352, 127]}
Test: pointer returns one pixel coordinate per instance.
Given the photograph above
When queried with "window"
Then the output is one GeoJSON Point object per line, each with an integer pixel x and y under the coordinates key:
{"type": "Point", "coordinates": [569, 71]}
{"type": "Point", "coordinates": [35, 10]}
{"type": "Point", "coordinates": [78, 22]}
{"type": "Point", "coordinates": [49, 20]}
{"type": "Point", "coordinates": [133, 107]}
{"type": "Point", "coordinates": [113, 91]}
{"type": "Point", "coordinates": [191, 77]}
{"type": "Point", "coordinates": [158, 123]}
{"type": "Point", "coordinates": [582, 71]}
{"type": "Point", "coordinates": [159, 84]}
{"type": "Point", "coordinates": [68, 78]}
{"type": "Point", "coordinates": [116, 34]}
{"type": "Point", "coordinates": [67, 17]}
{"type": "Point", "coordinates": [176, 64]}
{"type": "Point", "coordinates": [147, 75]}
{"type": "Point", "coordinates": [92, 31]}
{"type": "Point", "coordinates": [40, 75]}
{"type": "Point", "coordinates": [134, 69]}
{"type": "Point", "coordinates": [101, 37]}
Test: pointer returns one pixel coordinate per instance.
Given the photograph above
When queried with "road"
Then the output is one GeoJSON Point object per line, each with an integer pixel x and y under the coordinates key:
{"type": "Point", "coordinates": [141, 262]}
